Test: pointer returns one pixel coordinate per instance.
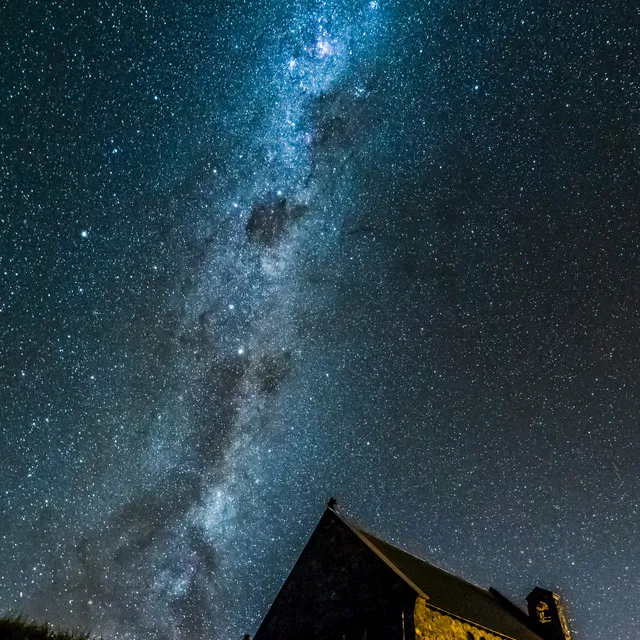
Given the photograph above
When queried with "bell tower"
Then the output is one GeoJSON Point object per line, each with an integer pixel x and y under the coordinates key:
{"type": "Point", "coordinates": [547, 615]}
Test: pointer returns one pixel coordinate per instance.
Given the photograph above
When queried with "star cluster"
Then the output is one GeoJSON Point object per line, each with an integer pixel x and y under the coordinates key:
{"type": "Point", "coordinates": [254, 254]}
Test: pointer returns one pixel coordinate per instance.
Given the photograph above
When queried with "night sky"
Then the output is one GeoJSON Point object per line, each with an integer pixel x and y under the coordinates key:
{"type": "Point", "coordinates": [256, 253]}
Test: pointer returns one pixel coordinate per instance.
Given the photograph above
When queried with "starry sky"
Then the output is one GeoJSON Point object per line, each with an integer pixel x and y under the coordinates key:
{"type": "Point", "coordinates": [257, 253]}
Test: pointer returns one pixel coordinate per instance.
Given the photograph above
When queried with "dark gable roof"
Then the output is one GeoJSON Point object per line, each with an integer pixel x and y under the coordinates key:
{"type": "Point", "coordinates": [449, 593]}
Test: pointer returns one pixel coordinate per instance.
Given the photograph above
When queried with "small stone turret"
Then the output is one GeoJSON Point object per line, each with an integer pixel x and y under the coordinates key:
{"type": "Point", "coordinates": [547, 615]}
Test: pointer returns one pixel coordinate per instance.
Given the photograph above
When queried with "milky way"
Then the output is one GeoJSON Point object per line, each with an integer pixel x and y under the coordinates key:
{"type": "Point", "coordinates": [258, 254]}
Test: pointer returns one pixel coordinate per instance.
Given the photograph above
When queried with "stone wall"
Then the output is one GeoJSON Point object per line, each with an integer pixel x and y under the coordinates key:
{"type": "Point", "coordinates": [431, 624]}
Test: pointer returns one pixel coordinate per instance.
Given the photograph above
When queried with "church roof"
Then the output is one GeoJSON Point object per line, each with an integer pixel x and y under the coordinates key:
{"type": "Point", "coordinates": [447, 592]}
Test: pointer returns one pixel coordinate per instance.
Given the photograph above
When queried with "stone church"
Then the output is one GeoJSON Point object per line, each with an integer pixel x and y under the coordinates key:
{"type": "Point", "coordinates": [349, 585]}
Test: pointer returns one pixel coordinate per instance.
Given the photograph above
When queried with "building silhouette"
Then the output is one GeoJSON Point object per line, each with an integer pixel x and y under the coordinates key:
{"type": "Point", "coordinates": [350, 585]}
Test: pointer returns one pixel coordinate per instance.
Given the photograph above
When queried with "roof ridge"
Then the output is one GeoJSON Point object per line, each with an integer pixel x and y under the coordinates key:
{"type": "Point", "coordinates": [432, 564]}
{"type": "Point", "coordinates": [392, 565]}
{"type": "Point", "coordinates": [362, 531]}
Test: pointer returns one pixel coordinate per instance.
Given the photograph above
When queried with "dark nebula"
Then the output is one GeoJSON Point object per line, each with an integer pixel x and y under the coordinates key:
{"type": "Point", "coordinates": [270, 220]}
